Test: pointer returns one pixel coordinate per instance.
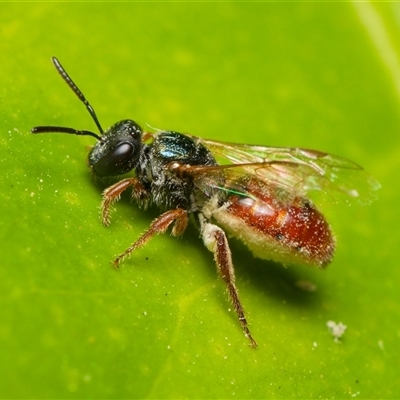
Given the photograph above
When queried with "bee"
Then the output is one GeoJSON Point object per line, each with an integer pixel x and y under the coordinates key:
{"type": "Point", "coordinates": [259, 194]}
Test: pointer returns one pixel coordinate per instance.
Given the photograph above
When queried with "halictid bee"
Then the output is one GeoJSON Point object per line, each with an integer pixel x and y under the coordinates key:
{"type": "Point", "coordinates": [259, 194]}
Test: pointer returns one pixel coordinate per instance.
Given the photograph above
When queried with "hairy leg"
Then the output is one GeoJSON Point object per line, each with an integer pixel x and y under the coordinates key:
{"type": "Point", "coordinates": [215, 240]}
{"type": "Point", "coordinates": [113, 194]}
{"type": "Point", "coordinates": [178, 217]}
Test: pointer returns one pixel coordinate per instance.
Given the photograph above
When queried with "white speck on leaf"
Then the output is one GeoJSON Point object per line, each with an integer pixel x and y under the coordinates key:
{"type": "Point", "coordinates": [337, 330]}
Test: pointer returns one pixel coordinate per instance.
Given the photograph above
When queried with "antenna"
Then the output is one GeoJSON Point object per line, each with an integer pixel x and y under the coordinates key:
{"type": "Point", "coordinates": [76, 90]}
{"type": "Point", "coordinates": [63, 129]}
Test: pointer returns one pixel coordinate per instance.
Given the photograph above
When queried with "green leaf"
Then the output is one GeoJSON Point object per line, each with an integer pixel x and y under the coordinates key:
{"type": "Point", "coordinates": [313, 75]}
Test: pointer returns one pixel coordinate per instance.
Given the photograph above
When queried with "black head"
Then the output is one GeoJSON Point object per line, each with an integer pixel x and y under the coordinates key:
{"type": "Point", "coordinates": [117, 150]}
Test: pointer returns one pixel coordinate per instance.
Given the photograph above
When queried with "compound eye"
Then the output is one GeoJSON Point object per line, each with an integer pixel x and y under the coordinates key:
{"type": "Point", "coordinates": [116, 161]}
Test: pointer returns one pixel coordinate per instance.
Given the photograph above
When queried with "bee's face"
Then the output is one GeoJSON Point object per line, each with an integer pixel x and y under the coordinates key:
{"type": "Point", "coordinates": [118, 150]}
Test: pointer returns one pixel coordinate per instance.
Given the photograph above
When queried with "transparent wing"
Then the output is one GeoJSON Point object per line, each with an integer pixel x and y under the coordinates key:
{"type": "Point", "coordinates": [295, 170]}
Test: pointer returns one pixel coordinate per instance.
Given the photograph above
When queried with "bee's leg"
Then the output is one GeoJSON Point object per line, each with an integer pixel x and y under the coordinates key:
{"type": "Point", "coordinates": [178, 217]}
{"type": "Point", "coordinates": [215, 240]}
{"type": "Point", "coordinates": [113, 194]}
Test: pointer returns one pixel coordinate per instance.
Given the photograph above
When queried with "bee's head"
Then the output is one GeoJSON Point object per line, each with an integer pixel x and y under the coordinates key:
{"type": "Point", "coordinates": [117, 150]}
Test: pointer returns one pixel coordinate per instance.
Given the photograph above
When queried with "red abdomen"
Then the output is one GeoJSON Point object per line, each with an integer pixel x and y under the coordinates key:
{"type": "Point", "coordinates": [278, 226]}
